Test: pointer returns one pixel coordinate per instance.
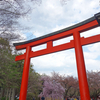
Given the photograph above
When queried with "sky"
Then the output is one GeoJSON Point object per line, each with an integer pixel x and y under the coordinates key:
{"type": "Point", "coordinates": [52, 15]}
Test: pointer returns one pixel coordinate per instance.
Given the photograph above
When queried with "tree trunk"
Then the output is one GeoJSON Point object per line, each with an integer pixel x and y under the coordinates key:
{"type": "Point", "coordinates": [9, 94]}
{"type": "Point", "coordinates": [1, 93]}
{"type": "Point", "coordinates": [13, 94]}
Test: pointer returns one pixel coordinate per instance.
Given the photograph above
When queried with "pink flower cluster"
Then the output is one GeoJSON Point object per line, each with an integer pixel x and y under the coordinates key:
{"type": "Point", "coordinates": [51, 88]}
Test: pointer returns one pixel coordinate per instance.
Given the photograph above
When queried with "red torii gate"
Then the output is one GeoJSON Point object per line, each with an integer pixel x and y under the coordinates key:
{"type": "Point", "coordinates": [76, 43]}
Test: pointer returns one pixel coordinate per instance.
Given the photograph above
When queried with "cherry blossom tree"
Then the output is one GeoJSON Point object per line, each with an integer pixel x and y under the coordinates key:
{"type": "Point", "coordinates": [94, 83]}
{"type": "Point", "coordinates": [69, 83]}
{"type": "Point", "coordinates": [51, 88]}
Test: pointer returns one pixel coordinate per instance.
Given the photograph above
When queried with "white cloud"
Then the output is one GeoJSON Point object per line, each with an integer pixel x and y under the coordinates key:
{"type": "Point", "coordinates": [92, 57]}
{"type": "Point", "coordinates": [62, 62]}
{"type": "Point", "coordinates": [51, 16]}
{"type": "Point", "coordinates": [91, 32]}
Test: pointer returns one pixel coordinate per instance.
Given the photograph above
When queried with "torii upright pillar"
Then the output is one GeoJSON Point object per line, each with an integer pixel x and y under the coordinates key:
{"type": "Point", "coordinates": [83, 84]}
{"type": "Point", "coordinates": [76, 43]}
{"type": "Point", "coordinates": [24, 83]}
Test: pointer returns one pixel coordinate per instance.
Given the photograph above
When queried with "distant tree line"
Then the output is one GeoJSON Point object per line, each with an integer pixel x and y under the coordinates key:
{"type": "Point", "coordinates": [69, 85]}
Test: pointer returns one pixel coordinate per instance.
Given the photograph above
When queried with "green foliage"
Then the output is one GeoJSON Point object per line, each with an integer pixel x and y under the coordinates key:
{"type": "Point", "coordinates": [4, 98]}
{"type": "Point", "coordinates": [10, 71]}
{"type": "Point", "coordinates": [4, 42]}
{"type": "Point", "coordinates": [29, 96]}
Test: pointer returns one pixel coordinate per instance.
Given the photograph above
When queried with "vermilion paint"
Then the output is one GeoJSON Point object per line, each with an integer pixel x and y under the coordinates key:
{"type": "Point", "coordinates": [24, 83]}
{"type": "Point", "coordinates": [83, 84]}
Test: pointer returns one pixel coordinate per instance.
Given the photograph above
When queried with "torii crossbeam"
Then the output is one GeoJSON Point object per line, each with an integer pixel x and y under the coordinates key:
{"type": "Point", "coordinates": [76, 43]}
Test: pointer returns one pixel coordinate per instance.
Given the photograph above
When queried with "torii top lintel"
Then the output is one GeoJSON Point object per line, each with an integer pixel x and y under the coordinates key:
{"type": "Point", "coordinates": [80, 27]}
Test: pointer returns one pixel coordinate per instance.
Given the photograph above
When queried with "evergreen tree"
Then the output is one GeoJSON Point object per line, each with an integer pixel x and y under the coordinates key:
{"type": "Point", "coordinates": [10, 71]}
